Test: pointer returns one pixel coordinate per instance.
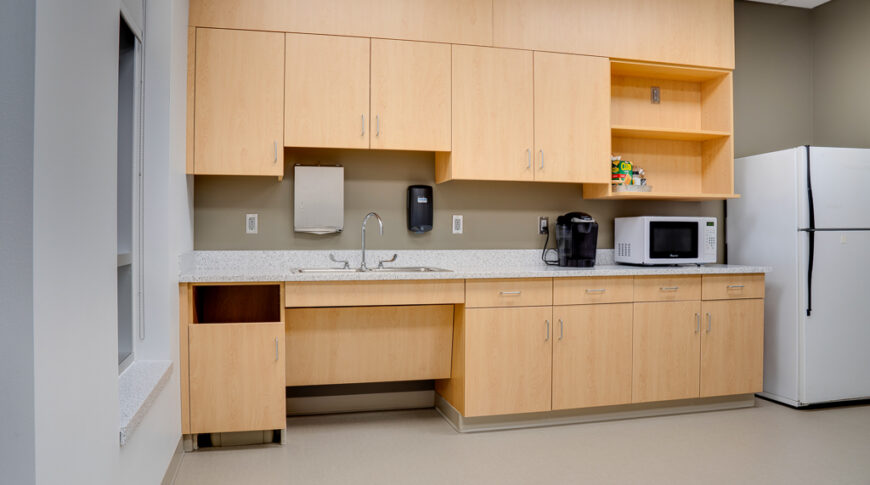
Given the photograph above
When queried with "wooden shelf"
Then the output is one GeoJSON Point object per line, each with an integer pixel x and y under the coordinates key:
{"type": "Point", "coordinates": [660, 196]}
{"type": "Point", "coordinates": [664, 71]}
{"type": "Point", "coordinates": [666, 134]}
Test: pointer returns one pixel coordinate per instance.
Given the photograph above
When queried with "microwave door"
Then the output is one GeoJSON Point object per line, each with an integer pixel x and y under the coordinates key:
{"type": "Point", "coordinates": [673, 240]}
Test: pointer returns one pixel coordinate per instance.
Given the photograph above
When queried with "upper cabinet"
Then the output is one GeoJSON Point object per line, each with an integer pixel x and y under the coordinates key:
{"type": "Point", "coordinates": [410, 89]}
{"type": "Point", "coordinates": [326, 91]}
{"type": "Point", "coordinates": [238, 103]}
{"type": "Point", "coordinates": [492, 116]}
{"type": "Point", "coordinates": [691, 32]}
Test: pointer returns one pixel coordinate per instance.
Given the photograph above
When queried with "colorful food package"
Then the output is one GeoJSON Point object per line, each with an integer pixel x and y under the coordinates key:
{"type": "Point", "coordinates": [620, 171]}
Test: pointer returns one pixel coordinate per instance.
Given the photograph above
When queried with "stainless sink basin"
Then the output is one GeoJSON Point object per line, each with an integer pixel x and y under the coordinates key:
{"type": "Point", "coordinates": [398, 269]}
{"type": "Point", "coordinates": [329, 270]}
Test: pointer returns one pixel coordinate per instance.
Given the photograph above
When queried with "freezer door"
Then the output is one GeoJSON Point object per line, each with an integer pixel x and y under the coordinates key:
{"type": "Point", "coordinates": [836, 338]}
{"type": "Point", "coordinates": [839, 180]}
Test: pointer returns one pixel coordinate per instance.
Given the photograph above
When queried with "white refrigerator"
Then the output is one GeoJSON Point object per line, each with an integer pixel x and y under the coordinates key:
{"type": "Point", "coordinates": [806, 212]}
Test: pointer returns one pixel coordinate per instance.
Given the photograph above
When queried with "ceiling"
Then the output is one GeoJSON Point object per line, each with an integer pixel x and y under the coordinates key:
{"type": "Point", "coordinates": [795, 3]}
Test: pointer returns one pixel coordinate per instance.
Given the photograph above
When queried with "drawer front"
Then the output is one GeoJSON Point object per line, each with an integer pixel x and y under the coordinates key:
{"type": "Point", "coordinates": [300, 294]}
{"type": "Point", "coordinates": [580, 291]}
{"type": "Point", "coordinates": [508, 292]}
{"type": "Point", "coordinates": [732, 286]}
{"type": "Point", "coordinates": [667, 288]}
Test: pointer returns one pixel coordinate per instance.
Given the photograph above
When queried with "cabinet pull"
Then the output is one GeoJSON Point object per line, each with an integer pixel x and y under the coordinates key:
{"type": "Point", "coordinates": [596, 290]}
{"type": "Point", "coordinates": [275, 144]}
{"type": "Point", "coordinates": [669, 288]}
{"type": "Point", "coordinates": [734, 286]}
{"type": "Point", "coordinates": [362, 123]}
{"type": "Point", "coordinates": [528, 159]}
{"type": "Point", "coordinates": [709, 322]}
{"type": "Point", "coordinates": [276, 349]}
{"type": "Point", "coordinates": [548, 330]}
{"type": "Point", "coordinates": [697, 322]}
{"type": "Point", "coordinates": [509, 293]}
{"type": "Point", "coordinates": [377, 125]}
{"type": "Point", "coordinates": [542, 158]}
{"type": "Point", "coordinates": [561, 329]}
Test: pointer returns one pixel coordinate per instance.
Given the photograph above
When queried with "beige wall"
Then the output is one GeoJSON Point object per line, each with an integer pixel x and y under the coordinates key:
{"type": "Point", "coordinates": [841, 73]}
{"type": "Point", "coordinates": [496, 214]}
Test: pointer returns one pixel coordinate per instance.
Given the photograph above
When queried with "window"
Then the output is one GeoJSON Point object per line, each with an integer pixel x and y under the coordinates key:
{"type": "Point", "coordinates": [129, 192]}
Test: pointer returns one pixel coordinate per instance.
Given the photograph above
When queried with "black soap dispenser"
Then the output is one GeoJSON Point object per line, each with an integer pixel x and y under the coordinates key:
{"type": "Point", "coordinates": [420, 206]}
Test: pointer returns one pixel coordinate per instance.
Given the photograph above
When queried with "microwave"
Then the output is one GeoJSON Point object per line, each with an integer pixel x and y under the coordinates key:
{"type": "Point", "coordinates": [652, 240]}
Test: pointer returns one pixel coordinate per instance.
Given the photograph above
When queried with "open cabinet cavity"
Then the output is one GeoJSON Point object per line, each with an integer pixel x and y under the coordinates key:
{"type": "Point", "coordinates": [237, 304]}
{"type": "Point", "coordinates": [676, 123]}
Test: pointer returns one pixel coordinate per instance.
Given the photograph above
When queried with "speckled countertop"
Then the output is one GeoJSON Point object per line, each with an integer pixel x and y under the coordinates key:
{"type": "Point", "coordinates": [249, 266]}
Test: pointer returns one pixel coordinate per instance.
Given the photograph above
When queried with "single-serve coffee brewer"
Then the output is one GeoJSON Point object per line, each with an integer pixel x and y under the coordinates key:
{"type": "Point", "coordinates": [576, 239]}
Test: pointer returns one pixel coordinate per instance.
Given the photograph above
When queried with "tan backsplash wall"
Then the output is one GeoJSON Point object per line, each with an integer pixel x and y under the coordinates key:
{"type": "Point", "coordinates": [499, 215]}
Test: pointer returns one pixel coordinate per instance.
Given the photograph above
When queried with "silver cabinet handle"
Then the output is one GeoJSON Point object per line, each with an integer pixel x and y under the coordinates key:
{"type": "Point", "coordinates": [697, 322]}
{"type": "Point", "coordinates": [528, 158]}
{"type": "Point", "coordinates": [542, 158]}
{"type": "Point", "coordinates": [377, 125]}
{"type": "Point", "coordinates": [548, 330]}
{"type": "Point", "coordinates": [276, 151]}
{"type": "Point", "coordinates": [596, 290]}
{"type": "Point", "coordinates": [276, 349]}
{"type": "Point", "coordinates": [669, 288]}
{"type": "Point", "coordinates": [561, 329]}
{"type": "Point", "coordinates": [362, 123]}
{"type": "Point", "coordinates": [507, 293]}
{"type": "Point", "coordinates": [709, 322]}
{"type": "Point", "coordinates": [735, 286]}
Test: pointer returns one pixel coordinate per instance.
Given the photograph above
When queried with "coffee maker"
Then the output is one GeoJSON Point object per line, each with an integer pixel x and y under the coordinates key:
{"type": "Point", "coordinates": [576, 239]}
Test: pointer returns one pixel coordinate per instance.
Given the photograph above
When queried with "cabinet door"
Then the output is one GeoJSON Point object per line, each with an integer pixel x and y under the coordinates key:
{"type": "Point", "coordinates": [591, 355]}
{"type": "Point", "coordinates": [732, 347]}
{"type": "Point", "coordinates": [236, 377]}
{"type": "Point", "coordinates": [492, 114]}
{"type": "Point", "coordinates": [326, 101]}
{"type": "Point", "coordinates": [410, 95]}
{"type": "Point", "coordinates": [667, 347]}
{"type": "Point", "coordinates": [508, 360]}
{"type": "Point", "coordinates": [238, 98]}
{"type": "Point", "coordinates": [572, 118]}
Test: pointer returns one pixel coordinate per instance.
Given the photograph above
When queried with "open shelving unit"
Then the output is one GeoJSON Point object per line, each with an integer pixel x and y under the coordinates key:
{"type": "Point", "coordinates": [683, 142]}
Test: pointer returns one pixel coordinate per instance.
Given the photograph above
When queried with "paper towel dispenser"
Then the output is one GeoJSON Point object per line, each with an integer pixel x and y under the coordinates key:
{"type": "Point", "coordinates": [318, 199]}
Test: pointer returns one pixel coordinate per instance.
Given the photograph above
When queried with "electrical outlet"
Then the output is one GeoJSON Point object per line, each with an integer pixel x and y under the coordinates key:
{"type": "Point", "coordinates": [251, 225]}
{"type": "Point", "coordinates": [543, 225]}
{"type": "Point", "coordinates": [457, 224]}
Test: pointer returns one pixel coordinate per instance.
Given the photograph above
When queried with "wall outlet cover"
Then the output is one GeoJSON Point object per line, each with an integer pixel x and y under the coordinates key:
{"type": "Point", "coordinates": [251, 224]}
{"type": "Point", "coordinates": [457, 224]}
{"type": "Point", "coordinates": [543, 225]}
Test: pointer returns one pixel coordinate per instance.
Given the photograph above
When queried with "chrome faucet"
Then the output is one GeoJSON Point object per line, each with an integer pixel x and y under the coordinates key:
{"type": "Point", "coordinates": [362, 265]}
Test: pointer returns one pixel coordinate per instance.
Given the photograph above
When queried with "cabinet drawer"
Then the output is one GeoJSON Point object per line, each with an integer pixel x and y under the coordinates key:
{"type": "Point", "coordinates": [373, 293]}
{"type": "Point", "coordinates": [667, 288]}
{"type": "Point", "coordinates": [579, 291]}
{"type": "Point", "coordinates": [732, 286]}
{"type": "Point", "coordinates": [509, 292]}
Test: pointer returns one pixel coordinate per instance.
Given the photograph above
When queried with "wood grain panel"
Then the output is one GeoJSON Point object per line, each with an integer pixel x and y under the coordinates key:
{"type": "Point", "coordinates": [369, 344]}
{"type": "Point", "coordinates": [667, 288]}
{"type": "Point", "coordinates": [373, 293]}
{"type": "Point", "coordinates": [732, 286]}
{"type": "Point", "coordinates": [592, 355]}
{"type": "Point", "coordinates": [691, 32]}
{"type": "Point", "coordinates": [732, 347]}
{"type": "Point", "coordinates": [410, 90]}
{"type": "Point", "coordinates": [580, 291]}
{"type": "Point", "coordinates": [509, 292]}
{"type": "Point", "coordinates": [239, 116]}
{"type": "Point", "coordinates": [572, 118]}
{"type": "Point", "coordinates": [191, 86]}
{"type": "Point", "coordinates": [237, 377]}
{"type": "Point", "coordinates": [671, 166]}
{"type": "Point", "coordinates": [453, 389]}
{"type": "Point", "coordinates": [326, 102]}
{"type": "Point", "coordinates": [492, 116]}
{"type": "Point", "coordinates": [452, 21]}
{"type": "Point", "coordinates": [679, 106]}
{"type": "Point", "coordinates": [508, 361]}
{"type": "Point", "coordinates": [184, 319]}
{"type": "Point", "coordinates": [666, 351]}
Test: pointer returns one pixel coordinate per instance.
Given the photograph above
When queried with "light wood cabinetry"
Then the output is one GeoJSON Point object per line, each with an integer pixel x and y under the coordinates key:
{"type": "Point", "coordinates": [373, 293]}
{"type": "Point", "coordinates": [236, 377]}
{"type": "Point", "coordinates": [732, 347]}
{"type": "Point", "coordinates": [731, 286]}
{"type": "Point", "coordinates": [586, 290]}
{"type": "Point", "coordinates": [667, 288]}
{"type": "Point", "coordinates": [572, 118]}
{"type": "Point", "coordinates": [508, 359]}
{"type": "Point", "coordinates": [509, 292]}
{"type": "Point", "coordinates": [368, 344]}
{"type": "Point", "coordinates": [410, 91]}
{"type": "Point", "coordinates": [237, 113]}
{"type": "Point", "coordinates": [492, 116]}
{"type": "Point", "coordinates": [666, 351]}
{"type": "Point", "coordinates": [592, 355]}
{"type": "Point", "coordinates": [326, 86]}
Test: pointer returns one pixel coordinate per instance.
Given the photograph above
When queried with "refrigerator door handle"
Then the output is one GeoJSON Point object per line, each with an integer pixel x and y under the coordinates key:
{"type": "Point", "coordinates": [811, 232]}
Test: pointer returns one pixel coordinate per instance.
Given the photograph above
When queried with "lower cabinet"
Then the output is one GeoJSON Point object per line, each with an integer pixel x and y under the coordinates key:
{"type": "Point", "coordinates": [666, 351]}
{"type": "Point", "coordinates": [508, 360]}
{"type": "Point", "coordinates": [236, 377]}
{"type": "Point", "coordinates": [732, 347]}
{"type": "Point", "coordinates": [592, 355]}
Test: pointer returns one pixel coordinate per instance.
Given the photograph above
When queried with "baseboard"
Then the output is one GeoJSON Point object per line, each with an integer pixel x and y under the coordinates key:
{"type": "Point", "coordinates": [588, 415]}
{"type": "Point", "coordinates": [352, 403]}
{"type": "Point", "coordinates": [174, 465]}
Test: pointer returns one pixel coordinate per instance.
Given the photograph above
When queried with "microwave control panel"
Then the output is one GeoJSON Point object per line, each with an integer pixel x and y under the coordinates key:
{"type": "Point", "coordinates": [710, 237]}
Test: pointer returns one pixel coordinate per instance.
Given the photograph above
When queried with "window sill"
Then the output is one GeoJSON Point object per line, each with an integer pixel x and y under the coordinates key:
{"type": "Point", "coordinates": [138, 387]}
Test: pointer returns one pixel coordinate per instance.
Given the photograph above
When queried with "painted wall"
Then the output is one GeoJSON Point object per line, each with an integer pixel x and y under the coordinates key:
{"type": "Point", "coordinates": [17, 43]}
{"type": "Point", "coordinates": [841, 70]}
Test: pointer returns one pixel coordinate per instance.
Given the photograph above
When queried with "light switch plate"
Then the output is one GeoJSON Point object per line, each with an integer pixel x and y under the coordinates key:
{"type": "Point", "coordinates": [457, 224]}
{"type": "Point", "coordinates": [251, 224]}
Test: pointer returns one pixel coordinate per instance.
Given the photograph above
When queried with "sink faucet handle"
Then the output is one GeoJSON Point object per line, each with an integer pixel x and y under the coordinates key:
{"type": "Point", "coordinates": [381, 262]}
{"type": "Point", "coordinates": [332, 258]}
